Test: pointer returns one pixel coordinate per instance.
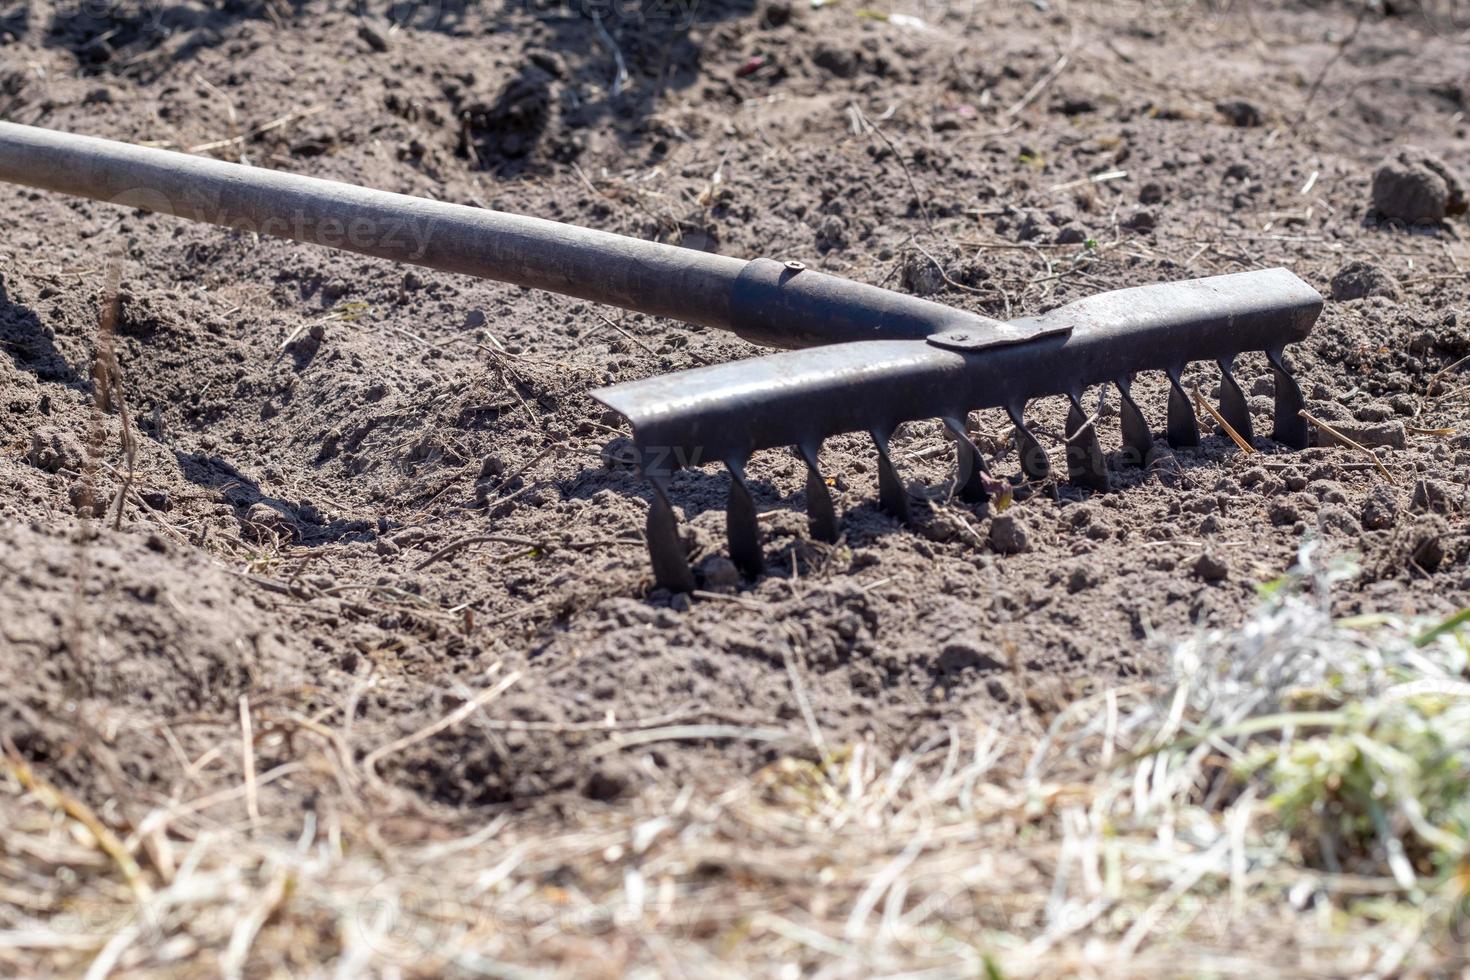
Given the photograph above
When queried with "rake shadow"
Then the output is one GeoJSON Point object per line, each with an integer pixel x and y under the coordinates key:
{"type": "Point", "coordinates": [241, 492]}
{"type": "Point", "coordinates": [30, 343]}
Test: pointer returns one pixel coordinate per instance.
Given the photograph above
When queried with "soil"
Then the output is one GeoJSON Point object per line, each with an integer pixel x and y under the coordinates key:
{"type": "Point", "coordinates": [313, 428]}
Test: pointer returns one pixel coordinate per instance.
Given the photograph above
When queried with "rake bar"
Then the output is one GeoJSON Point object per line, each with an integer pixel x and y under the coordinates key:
{"type": "Point", "coordinates": [727, 412]}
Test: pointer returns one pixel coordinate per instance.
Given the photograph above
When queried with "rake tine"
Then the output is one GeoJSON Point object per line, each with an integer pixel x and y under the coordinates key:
{"type": "Point", "coordinates": [1086, 465]}
{"type": "Point", "coordinates": [969, 464]}
{"type": "Point", "coordinates": [1232, 401]}
{"type": "Point", "coordinates": [891, 495]}
{"type": "Point", "coordinates": [670, 567]}
{"type": "Point", "coordinates": [1138, 439]}
{"type": "Point", "coordinates": [1183, 425]}
{"type": "Point", "coordinates": [1290, 429]}
{"type": "Point", "coordinates": [741, 526]}
{"type": "Point", "coordinates": [821, 514]}
{"type": "Point", "coordinates": [1034, 461]}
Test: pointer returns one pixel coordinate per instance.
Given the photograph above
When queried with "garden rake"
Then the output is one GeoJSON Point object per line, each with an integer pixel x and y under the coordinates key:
{"type": "Point", "coordinates": [857, 358]}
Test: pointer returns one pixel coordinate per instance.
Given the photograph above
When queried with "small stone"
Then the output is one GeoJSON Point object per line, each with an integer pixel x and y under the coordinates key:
{"type": "Point", "coordinates": [1071, 235]}
{"type": "Point", "coordinates": [1371, 412]}
{"type": "Point", "coordinates": [778, 13]}
{"type": "Point", "coordinates": [1415, 187]}
{"type": "Point", "coordinates": [831, 234]}
{"type": "Point", "coordinates": [334, 289]}
{"type": "Point", "coordinates": [920, 275]}
{"type": "Point", "coordinates": [85, 501]}
{"type": "Point", "coordinates": [940, 528]}
{"type": "Point", "coordinates": [1035, 226]}
{"type": "Point", "coordinates": [386, 548]}
{"type": "Point", "coordinates": [1075, 106]}
{"type": "Point", "coordinates": [1283, 512]}
{"type": "Point", "coordinates": [372, 37]}
{"type": "Point", "coordinates": [1359, 280]}
{"type": "Point", "coordinates": [1142, 220]}
{"type": "Point", "coordinates": [1008, 535]}
{"type": "Point", "coordinates": [1211, 568]}
{"type": "Point", "coordinates": [835, 58]}
{"type": "Point", "coordinates": [54, 450]}
{"type": "Point", "coordinates": [1425, 543]}
{"type": "Point", "coordinates": [1435, 496]}
{"type": "Point", "coordinates": [1335, 519]}
{"type": "Point", "coordinates": [316, 332]}
{"type": "Point", "coordinates": [157, 499]}
{"type": "Point", "coordinates": [1081, 579]}
{"type": "Point", "coordinates": [606, 783]}
{"type": "Point", "coordinates": [959, 656]}
{"type": "Point", "coordinates": [492, 466]}
{"type": "Point", "coordinates": [1380, 510]}
{"type": "Point", "coordinates": [720, 574]}
{"type": "Point", "coordinates": [1240, 113]}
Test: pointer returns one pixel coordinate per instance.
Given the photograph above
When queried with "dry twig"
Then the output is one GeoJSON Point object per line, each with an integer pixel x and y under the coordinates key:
{"type": "Point", "coordinates": [1235, 437]}
{"type": "Point", "coordinates": [1364, 450]}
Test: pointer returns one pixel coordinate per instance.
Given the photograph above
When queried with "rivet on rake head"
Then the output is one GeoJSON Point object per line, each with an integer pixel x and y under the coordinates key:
{"type": "Point", "coordinates": [1138, 439]}
{"type": "Point", "coordinates": [1289, 429]}
{"type": "Point", "coordinates": [741, 525]}
{"type": "Point", "coordinates": [970, 465]}
{"type": "Point", "coordinates": [821, 515]}
{"type": "Point", "coordinates": [1086, 465]}
{"type": "Point", "coordinates": [1233, 407]}
{"type": "Point", "coordinates": [1183, 428]}
{"type": "Point", "coordinates": [1034, 461]}
{"type": "Point", "coordinates": [670, 566]}
{"type": "Point", "coordinates": [892, 497]}
{"type": "Point", "coordinates": [795, 266]}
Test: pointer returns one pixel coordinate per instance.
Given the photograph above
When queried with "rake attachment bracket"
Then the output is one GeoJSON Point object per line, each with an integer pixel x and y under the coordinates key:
{"type": "Point", "coordinates": [996, 333]}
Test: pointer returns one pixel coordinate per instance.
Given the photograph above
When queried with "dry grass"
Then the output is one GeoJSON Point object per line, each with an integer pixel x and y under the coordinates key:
{"type": "Point", "coordinates": [1289, 800]}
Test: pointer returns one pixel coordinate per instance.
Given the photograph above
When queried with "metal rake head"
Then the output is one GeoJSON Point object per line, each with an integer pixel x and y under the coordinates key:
{"type": "Point", "coordinates": [725, 413]}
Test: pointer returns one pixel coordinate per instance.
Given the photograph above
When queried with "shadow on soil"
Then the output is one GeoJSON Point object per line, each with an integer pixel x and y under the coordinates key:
{"type": "Point", "coordinates": [30, 344]}
{"type": "Point", "coordinates": [585, 60]}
